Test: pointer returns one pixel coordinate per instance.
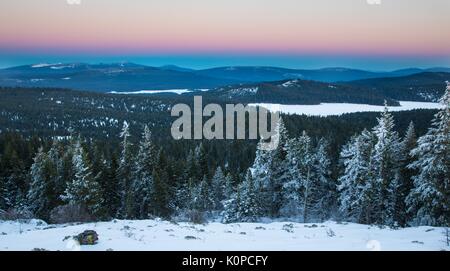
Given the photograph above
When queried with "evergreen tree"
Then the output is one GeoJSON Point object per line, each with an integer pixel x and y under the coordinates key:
{"type": "Point", "coordinates": [357, 185]}
{"type": "Point", "coordinates": [202, 161]}
{"type": "Point", "coordinates": [145, 163]}
{"type": "Point", "coordinates": [41, 196]}
{"type": "Point", "coordinates": [111, 186]}
{"type": "Point", "coordinates": [160, 200]}
{"type": "Point", "coordinates": [277, 172]}
{"type": "Point", "coordinates": [405, 176]}
{"type": "Point", "coordinates": [124, 173]}
{"type": "Point", "coordinates": [386, 160]}
{"type": "Point", "coordinates": [431, 194]}
{"type": "Point", "coordinates": [84, 189]}
{"type": "Point", "coordinates": [261, 175]}
{"type": "Point", "coordinates": [326, 191]}
{"type": "Point", "coordinates": [249, 207]}
{"type": "Point", "coordinates": [229, 188]}
{"type": "Point", "coordinates": [218, 189]}
{"type": "Point", "coordinates": [202, 198]}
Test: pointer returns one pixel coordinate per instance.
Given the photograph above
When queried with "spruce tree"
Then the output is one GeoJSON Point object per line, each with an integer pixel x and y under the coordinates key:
{"type": "Point", "coordinates": [248, 207]}
{"type": "Point", "coordinates": [84, 189]}
{"type": "Point", "coordinates": [124, 173]}
{"type": "Point", "coordinates": [357, 185]}
{"type": "Point", "coordinates": [277, 172]}
{"type": "Point", "coordinates": [142, 184]}
{"type": "Point", "coordinates": [401, 215]}
{"type": "Point", "coordinates": [218, 189]}
{"type": "Point", "coordinates": [326, 191]}
{"type": "Point", "coordinates": [430, 197]}
{"type": "Point", "coordinates": [386, 161]}
{"type": "Point", "coordinates": [41, 195]}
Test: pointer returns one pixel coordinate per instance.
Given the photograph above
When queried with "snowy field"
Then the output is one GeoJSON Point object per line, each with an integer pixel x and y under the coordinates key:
{"type": "Point", "coordinates": [329, 109]}
{"type": "Point", "coordinates": [163, 235]}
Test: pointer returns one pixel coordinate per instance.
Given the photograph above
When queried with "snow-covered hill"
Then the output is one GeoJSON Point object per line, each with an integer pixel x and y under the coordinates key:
{"type": "Point", "coordinates": [164, 235]}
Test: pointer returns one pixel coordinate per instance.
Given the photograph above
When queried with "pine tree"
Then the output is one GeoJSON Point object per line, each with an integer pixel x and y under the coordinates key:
{"type": "Point", "coordinates": [202, 161]}
{"type": "Point", "coordinates": [202, 199]}
{"type": "Point", "coordinates": [124, 172]}
{"type": "Point", "coordinates": [218, 189]}
{"type": "Point", "coordinates": [357, 184]}
{"type": "Point", "coordinates": [84, 189]}
{"type": "Point", "coordinates": [229, 188]}
{"type": "Point", "coordinates": [385, 160]}
{"type": "Point", "coordinates": [277, 172]}
{"type": "Point", "coordinates": [249, 207]}
{"type": "Point", "coordinates": [111, 186]}
{"type": "Point", "coordinates": [57, 156]}
{"type": "Point", "coordinates": [160, 199]}
{"type": "Point", "coordinates": [41, 196]}
{"type": "Point", "coordinates": [326, 191]}
{"type": "Point", "coordinates": [261, 176]}
{"type": "Point", "coordinates": [405, 177]}
{"type": "Point", "coordinates": [431, 194]}
{"type": "Point", "coordinates": [142, 185]}
{"type": "Point", "coordinates": [300, 192]}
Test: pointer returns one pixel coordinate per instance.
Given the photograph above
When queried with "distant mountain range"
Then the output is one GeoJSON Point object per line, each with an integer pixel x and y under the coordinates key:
{"type": "Point", "coordinates": [133, 77]}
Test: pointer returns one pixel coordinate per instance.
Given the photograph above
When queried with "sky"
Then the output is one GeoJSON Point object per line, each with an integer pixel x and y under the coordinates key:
{"type": "Point", "coordinates": [367, 34]}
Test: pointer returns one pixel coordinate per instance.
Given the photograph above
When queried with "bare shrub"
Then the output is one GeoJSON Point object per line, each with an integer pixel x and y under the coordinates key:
{"type": "Point", "coordinates": [70, 213]}
{"type": "Point", "coordinates": [15, 214]}
{"type": "Point", "coordinates": [197, 217]}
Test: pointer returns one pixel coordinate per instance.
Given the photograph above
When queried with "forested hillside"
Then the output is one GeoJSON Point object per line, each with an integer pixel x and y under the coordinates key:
{"type": "Point", "coordinates": [103, 156]}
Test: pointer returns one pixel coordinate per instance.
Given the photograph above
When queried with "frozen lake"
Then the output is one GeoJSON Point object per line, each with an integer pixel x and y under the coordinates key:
{"type": "Point", "coordinates": [330, 109]}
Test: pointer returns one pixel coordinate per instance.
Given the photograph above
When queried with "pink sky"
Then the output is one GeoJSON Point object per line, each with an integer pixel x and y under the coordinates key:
{"type": "Point", "coordinates": [250, 26]}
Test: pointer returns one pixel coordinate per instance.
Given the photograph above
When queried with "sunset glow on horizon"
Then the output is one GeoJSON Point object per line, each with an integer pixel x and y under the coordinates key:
{"type": "Point", "coordinates": [397, 28]}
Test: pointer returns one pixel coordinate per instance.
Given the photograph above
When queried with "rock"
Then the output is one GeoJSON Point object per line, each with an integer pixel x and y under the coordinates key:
{"type": "Point", "coordinates": [190, 237]}
{"type": "Point", "coordinates": [88, 237]}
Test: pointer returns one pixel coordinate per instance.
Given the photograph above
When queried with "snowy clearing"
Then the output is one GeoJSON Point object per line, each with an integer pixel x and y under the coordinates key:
{"type": "Point", "coordinates": [330, 109]}
{"type": "Point", "coordinates": [164, 235]}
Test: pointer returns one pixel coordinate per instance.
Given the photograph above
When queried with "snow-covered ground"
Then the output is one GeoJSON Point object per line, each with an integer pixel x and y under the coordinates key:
{"type": "Point", "coordinates": [329, 109]}
{"type": "Point", "coordinates": [164, 235]}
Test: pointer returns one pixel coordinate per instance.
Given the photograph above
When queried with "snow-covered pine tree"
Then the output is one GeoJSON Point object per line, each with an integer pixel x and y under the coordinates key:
{"type": "Point", "coordinates": [142, 183]}
{"type": "Point", "coordinates": [249, 208]}
{"type": "Point", "coordinates": [202, 199]}
{"type": "Point", "coordinates": [431, 193]}
{"type": "Point", "coordinates": [405, 180]}
{"type": "Point", "coordinates": [229, 188]}
{"type": "Point", "coordinates": [84, 189]}
{"type": "Point", "coordinates": [231, 211]}
{"type": "Point", "coordinates": [386, 166]}
{"type": "Point", "coordinates": [299, 191]}
{"type": "Point", "coordinates": [110, 189]}
{"type": "Point", "coordinates": [260, 173]}
{"type": "Point", "coordinates": [124, 173]}
{"type": "Point", "coordinates": [356, 185]}
{"type": "Point", "coordinates": [278, 170]}
{"type": "Point", "coordinates": [202, 161]}
{"type": "Point", "coordinates": [326, 191]}
{"type": "Point", "coordinates": [218, 189]}
{"type": "Point", "coordinates": [56, 156]}
{"type": "Point", "coordinates": [41, 195]}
